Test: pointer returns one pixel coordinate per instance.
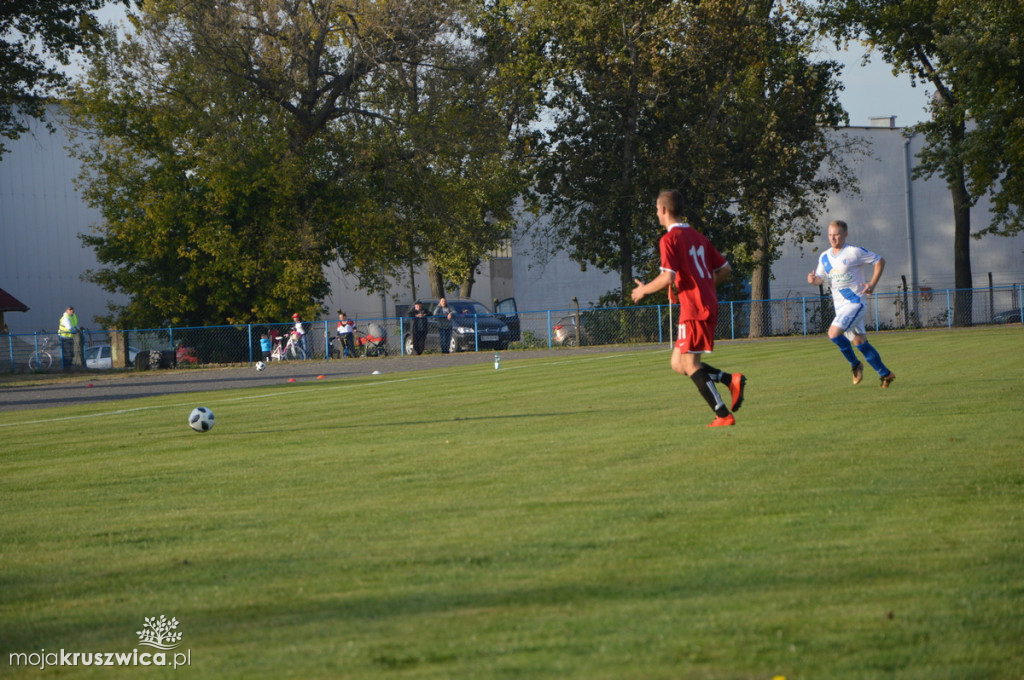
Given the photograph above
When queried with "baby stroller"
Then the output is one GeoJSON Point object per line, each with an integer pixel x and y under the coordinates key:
{"type": "Point", "coordinates": [374, 342]}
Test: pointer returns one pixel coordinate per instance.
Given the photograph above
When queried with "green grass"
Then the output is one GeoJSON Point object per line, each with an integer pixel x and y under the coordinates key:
{"type": "Point", "coordinates": [559, 518]}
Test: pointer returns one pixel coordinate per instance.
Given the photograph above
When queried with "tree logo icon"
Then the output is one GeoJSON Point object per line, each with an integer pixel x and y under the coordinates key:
{"type": "Point", "coordinates": [159, 633]}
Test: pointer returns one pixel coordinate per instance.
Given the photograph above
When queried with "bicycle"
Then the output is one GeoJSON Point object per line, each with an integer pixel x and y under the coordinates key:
{"type": "Point", "coordinates": [41, 360]}
{"type": "Point", "coordinates": [288, 350]}
{"type": "Point", "coordinates": [278, 353]}
{"type": "Point", "coordinates": [294, 349]}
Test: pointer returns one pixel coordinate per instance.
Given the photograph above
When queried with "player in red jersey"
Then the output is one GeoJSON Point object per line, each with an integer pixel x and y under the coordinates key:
{"type": "Point", "coordinates": [697, 268]}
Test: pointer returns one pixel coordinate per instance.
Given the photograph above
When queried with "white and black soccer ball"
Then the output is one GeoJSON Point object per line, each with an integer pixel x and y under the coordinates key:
{"type": "Point", "coordinates": [260, 366]}
{"type": "Point", "coordinates": [201, 419]}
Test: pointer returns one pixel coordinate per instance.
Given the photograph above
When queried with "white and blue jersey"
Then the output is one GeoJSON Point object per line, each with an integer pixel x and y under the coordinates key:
{"type": "Point", "coordinates": [845, 273]}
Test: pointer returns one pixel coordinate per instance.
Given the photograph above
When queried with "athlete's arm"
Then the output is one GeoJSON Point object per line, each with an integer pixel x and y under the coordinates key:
{"type": "Point", "coordinates": [642, 289]}
{"type": "Point", "coordinates": [722, 273]}
{"type": "Point", "coordinates": [879, 268]}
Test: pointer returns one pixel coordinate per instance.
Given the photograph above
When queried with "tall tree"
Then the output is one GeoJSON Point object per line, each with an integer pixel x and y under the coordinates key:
{"type": "Point", "coordinates": [615, 68]}
{"type": "Point", "coordinates": [243, 146]}
{"type": "Point", "coordinates": [788, 161]}
{"type": "Point", "coordinates": [971, 54]}
{"type": "Point", "coordinates": [718, 99]}
{"type": "Point", "coordinates": [38, 38]}
{"type": "Point", "coordinates": [984, 50]}
{"type": "Point", "coordinates": [217, 165]}
{"type": "Point", "coordinates": [459, 124]}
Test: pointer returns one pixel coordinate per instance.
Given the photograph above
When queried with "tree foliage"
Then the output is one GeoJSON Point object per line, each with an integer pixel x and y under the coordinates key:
{"type": "Point", "coordinates": [983, 48]}
{"type": "Point", "coordinates": [236, 149]}
{"type": "Point", "coordinates": [39, 37]}
{"type": "Point", "coordinates": [786, 158]}
{"type": "Point", "coordinates": [971, 53]}
{"type": "Point", "coordinates": [459, 140]}
{"type": "Point", "coordinates": [718, 99]}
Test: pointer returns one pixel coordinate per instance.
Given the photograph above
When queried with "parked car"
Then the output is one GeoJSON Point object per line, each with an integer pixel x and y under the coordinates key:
{"type": "Point", "coordinates": [98, 356]}
{"type": "Point", "coordinates": [507, 311]}
{"type": "Point", "coordinates": [1011, 316]}
{"type": "Point", "coordinates": [473, 326]}
{"type": "Point", "coordinates": [564, 332]}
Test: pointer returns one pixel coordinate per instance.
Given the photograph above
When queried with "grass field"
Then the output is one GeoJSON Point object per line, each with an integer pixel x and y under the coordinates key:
{"type": "Point", "coordinates": [560, 518]}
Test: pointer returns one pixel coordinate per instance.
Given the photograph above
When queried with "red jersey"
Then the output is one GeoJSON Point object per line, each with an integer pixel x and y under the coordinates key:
{"type": "Point", "coordinates": [690, 256]}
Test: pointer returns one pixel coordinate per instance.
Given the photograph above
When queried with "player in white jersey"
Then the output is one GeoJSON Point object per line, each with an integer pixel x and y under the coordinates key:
{"type": "Point", "coordinates": [843, 265]}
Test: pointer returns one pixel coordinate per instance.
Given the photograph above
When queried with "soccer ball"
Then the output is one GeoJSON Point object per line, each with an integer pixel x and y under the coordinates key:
{"type": "Point", "coordinates": [201, 419]}
{"type": "Point", "coordinates": [260, 366]}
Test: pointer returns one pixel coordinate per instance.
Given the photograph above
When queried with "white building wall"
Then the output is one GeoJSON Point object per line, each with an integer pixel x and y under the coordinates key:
{"type": "Point", "coordinates": [360, 305]}
{"type": "Point", "coordinates": [41, 259]}
{"type": "Point", "coordinates": [541, 281]}
{"type": "Point", "coordinates": [879, 220]}
{"type": "Point", "coordinates": [544, 281]}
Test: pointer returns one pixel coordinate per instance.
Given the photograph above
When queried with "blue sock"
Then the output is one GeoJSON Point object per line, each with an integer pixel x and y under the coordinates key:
{"type": "Point", "coordinates": [871, 354]}
{"type": "Point", "coordinates": [843, 343]}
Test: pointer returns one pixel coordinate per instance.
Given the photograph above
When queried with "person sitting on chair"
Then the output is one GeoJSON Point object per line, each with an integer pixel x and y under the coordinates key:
{"type": "Point", "coordinates": [346, 335]}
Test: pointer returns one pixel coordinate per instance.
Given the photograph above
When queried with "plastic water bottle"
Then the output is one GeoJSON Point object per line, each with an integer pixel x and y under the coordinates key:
{"type": "Point", "coordinates": [497, 361]}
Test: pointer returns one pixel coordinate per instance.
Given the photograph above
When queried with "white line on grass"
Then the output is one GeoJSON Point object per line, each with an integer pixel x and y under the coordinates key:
{"type": "Point", "coordinates": [252, 397]}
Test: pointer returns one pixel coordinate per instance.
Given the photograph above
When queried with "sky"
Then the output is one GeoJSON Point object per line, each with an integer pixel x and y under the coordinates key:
{"type": "Point", "coordinates": [871, 90]}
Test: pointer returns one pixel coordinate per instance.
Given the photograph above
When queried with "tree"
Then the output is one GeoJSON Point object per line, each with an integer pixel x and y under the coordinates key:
{"type": "Point", "coordinates": [459, 126]}
{"type": "Point", "coordinates": [787, 164]}
{"type": "Point", "coordinates": [971, 54]}
{"type": "Point", "coordinates": [983, 49]}
{"type": "Point", "coordinates": [718, 99]}
{"type": "Point", "coordinates": [221, 188]}
{"type": "Point", "coordinates": [614, 68]}
{"type": "Point", "coordinates": [39, 38]}
{"type": "Point", "coordinates": [240, 147]}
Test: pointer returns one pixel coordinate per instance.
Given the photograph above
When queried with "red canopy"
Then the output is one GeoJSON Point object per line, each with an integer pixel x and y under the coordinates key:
{"type": "Point", "coordinates": [9, 303]}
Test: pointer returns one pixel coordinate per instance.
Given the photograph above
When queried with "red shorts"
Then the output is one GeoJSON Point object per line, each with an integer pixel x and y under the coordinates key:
{"type": "Point", "coordinates": [695, 337]}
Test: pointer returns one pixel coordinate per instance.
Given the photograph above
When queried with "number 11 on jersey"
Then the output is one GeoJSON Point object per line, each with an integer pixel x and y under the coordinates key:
{"type": "Point", "coordinates": [699, 262]}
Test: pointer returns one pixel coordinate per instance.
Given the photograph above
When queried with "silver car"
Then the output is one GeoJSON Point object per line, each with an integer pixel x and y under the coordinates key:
{"type": "Point", "coordinates": [98, 356]}
{"type": "Point", "coordinates": [565, 332]}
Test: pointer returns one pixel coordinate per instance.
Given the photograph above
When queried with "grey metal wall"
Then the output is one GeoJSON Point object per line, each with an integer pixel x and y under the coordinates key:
{"type": "Point", "coordinates": [909, 223]}
{"type": "Point", "coordinates": [41, 259]}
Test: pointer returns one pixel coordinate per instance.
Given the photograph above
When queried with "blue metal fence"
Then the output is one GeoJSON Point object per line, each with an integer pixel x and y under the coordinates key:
{"type": "Point", "coordinates": [240, 344]}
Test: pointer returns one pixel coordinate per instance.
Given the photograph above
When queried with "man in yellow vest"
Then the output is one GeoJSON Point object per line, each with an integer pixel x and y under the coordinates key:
{"type": "Point", "coordinates": [70, 339]}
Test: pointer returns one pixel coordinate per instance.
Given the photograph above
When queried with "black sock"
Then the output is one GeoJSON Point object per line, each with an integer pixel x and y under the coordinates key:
{"type": "Point", "coordinates": [706, 387]}
{"type": "Point", "coordinates": [717, 375]}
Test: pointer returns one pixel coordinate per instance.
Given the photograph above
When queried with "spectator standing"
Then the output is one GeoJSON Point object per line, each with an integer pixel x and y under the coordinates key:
{"type": "Point", "coordinates": [346, 335]}
{"type": "Point", "coordinates": [419, 328]}
{"type": "Point", "coordinates": [444, 323]}
{"type": "Point", "coordinates": [71, 351]}
{"type": "Point", "coordinates": [299, 333]}
{"type": "Point", "coordinates": [690, 260]}
{"type": "Point", "coordinates": [843, 266]}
